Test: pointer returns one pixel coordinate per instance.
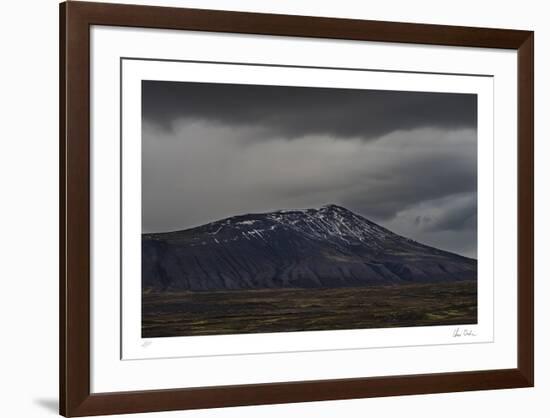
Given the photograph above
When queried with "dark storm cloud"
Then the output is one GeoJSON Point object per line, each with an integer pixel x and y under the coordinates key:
{"type": "Point", "coordinates": [292, 112]}
{"type": "Point", "coordinates": [406, 160]}
{"type": "Point", "coordinates": [461, 217]}
{"type": "Point", "coordinates": [422, 178]}
{"type": "Point", "coordinates": [449, 222]}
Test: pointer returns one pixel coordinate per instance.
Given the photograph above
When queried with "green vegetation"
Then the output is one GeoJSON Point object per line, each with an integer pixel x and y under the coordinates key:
{"type": "Point", "coordinates": [170, 314]}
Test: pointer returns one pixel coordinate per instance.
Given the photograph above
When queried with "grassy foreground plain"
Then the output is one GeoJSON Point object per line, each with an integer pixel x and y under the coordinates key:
{"type": "Point", "coordinates": [171, 314]}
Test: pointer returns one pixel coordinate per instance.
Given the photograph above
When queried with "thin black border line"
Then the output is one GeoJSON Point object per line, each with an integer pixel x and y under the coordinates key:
{"type": "Point", "coordinates": [493, 221]}
{"type": "Point", "coordinates": [121, 194]}
{"type": "Point", "coordinates": [322, 350]}
{"type": "Point", "coordinates": [122, 59]}
{"type": "Point", "coordinates": [257, 64]}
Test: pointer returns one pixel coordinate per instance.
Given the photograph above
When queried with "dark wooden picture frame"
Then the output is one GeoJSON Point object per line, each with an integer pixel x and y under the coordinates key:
{"type": "Point", "coordinates": [76, 18]}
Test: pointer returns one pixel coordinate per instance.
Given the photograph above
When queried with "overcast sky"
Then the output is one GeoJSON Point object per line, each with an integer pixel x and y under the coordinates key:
{"type": "Point", "coordinates": [406, 160]}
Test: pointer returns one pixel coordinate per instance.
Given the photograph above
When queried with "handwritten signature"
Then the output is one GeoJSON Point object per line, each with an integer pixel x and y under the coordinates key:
{"type": "Point", "coordinates": [463, 332]}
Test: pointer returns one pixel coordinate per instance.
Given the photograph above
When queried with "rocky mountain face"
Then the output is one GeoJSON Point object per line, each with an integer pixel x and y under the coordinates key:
{"type": "Point", "coordinates": [311, 248]}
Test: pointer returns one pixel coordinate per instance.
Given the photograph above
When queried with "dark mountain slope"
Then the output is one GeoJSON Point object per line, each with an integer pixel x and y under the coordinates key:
{"type": "Point", "coordinates": [326, 247]}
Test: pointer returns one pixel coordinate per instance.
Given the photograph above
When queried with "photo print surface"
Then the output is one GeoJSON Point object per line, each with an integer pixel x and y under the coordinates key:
{"type": "Point", "coordinates": [278, 209]}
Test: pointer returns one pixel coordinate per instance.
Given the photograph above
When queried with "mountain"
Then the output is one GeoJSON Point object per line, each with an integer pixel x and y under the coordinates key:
{"type": "Point", "coordinates": [312, 248]}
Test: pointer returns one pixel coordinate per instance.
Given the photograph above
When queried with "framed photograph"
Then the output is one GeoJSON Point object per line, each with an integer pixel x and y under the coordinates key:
{"type": "Point", "coordinates": [267, 208]}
